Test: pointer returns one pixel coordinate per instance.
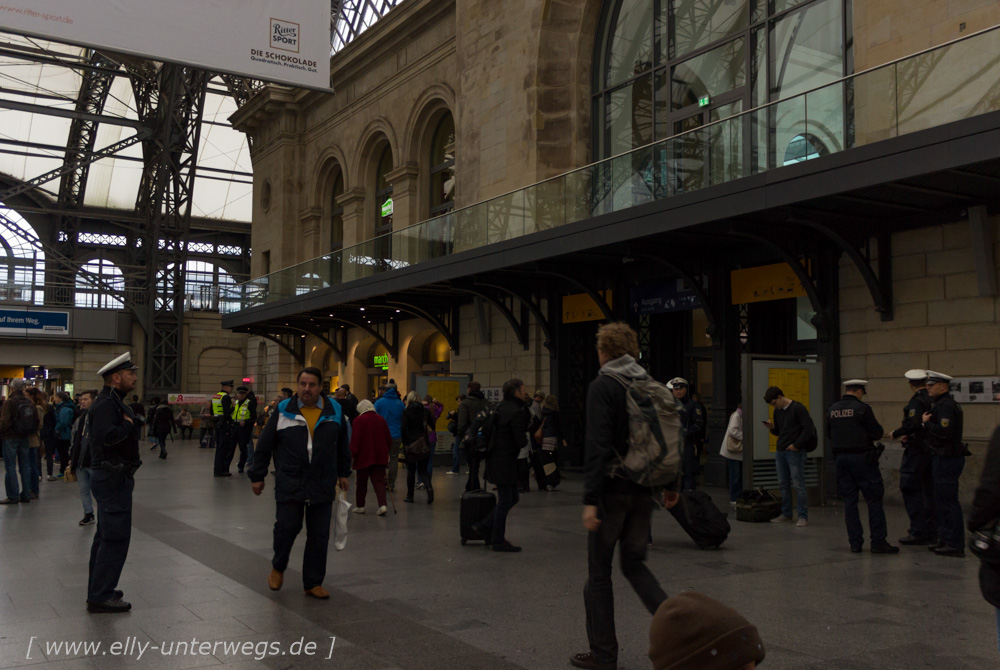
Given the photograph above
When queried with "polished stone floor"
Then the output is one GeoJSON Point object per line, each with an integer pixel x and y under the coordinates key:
{"type": "Point", "coordinates": [406, 594]}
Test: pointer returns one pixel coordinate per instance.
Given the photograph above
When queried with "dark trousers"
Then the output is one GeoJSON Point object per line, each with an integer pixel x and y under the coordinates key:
{"type": "Point", "coordinates": [223, 447]}
{"type": "Point", "coordinates": [415, 470]}
{"type": "Point", "coordinates": [161, 439]}
{"type": "Point", "coordinates": [114, 531]}
{"type": "Point", "coordinates": [735, 478]}
{"type": "Point", "coordinates": [535, 457]}
{"type": "Point", "coordinates": [472, 484]}
{"type": "Point", "coordinates": [916, 483]}
{"type": "Point", "coordinates": [951, 529]}
{"type": "Point", "coordinates": [625, 518]}
{"type": "Point", "coordinates": [691, 466]}
{"type": "Point", "coordinates": [241, 437]}
{"type": "Point", "coordinates": [857, 473]}
{"type": "Point", "coordinates": [523, 475]}
{"type": "Point", "coordinates": [288, 523]}
{"type": "Point", "coordinates": [507, 497]}
{"type": "Point", "coordinates": [377, 475]}
{"type": "Point", "coordinates": [190, 432]}
{"type": "Point", "coordinates": [50, 450]}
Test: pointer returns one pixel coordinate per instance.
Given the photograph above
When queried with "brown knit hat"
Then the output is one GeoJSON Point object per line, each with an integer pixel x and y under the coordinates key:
{"type": "Point", "coordinates": [691, 631]}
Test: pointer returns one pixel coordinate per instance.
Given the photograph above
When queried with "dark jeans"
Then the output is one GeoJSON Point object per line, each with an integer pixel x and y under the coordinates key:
{"type": "Point", "coordinates": [288, 523]}
{"type": "Point", "coordinates": [691, 466]}
{"type": "Point", "coordinates": [243, 437]}
{"type": "Point", "coordinates": [414, 470]}
{"type": "Point", "coordinates": [161, 439]}
{"type": "Point", "coordinates": [858, 473]}
{"type": "Point", "coordinates": [735, 478]}
{"type": "Point", "coordinates": [535, 457]}
{"type": "Point", "coordinates": [916, 483]}
{"type": "Point", "coordinates": [190, 431]}
{"type": "Point", "coordinates": [507, 497]}
{"type": "Point", "coordinates": [523, 475]}
{"type": "Point", "coordinates": [624, 517]}
{"type": "Point", "coordinates": [35, 469]}
{"type": "Point", "coordinates": [223, 448]}
{"type": "Point", "coordinates": [50, 450]}
{"type": "Point", "coordinates": [114, 531]}
{"type": "Point", "coordinates": [16, 455]}
{"type": "Point", "coordinates": [951, 529]}
{"type": "Point", "coordinates": [456, 458]}
{"type": "Point", "coordinates": [472, 484]}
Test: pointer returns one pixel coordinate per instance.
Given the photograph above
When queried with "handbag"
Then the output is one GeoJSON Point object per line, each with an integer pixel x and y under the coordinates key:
{"type": "Point", "coordinates": [733, 445]}
{"type": "Point", "coordinates": [538, 433]}
{"type": "Point", "coordinates": [419, 449]}
{"type": "Point", "coordinates": [70, 475]}
{"type": "Point", "coordinates": [985, 544]}
{"type": "Point", "coordinates": [343, 509]}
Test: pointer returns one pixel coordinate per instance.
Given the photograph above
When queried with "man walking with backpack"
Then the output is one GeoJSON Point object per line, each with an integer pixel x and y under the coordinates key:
{"type": "Point", "coordinates": [18, 420]}
{"type": "Point", "coordinates": [616, 508]}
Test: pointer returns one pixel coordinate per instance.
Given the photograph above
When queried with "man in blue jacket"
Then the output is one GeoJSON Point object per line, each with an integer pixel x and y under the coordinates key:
{"type": "Point", "coordinates": [390, 408]}
{"type": "Point", "coordinates": [307, 436]}
{"type": "Point", "coordinates": [65, 415]}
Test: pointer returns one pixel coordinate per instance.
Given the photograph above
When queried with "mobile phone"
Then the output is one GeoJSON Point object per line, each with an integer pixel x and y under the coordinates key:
{"type": "Point", "coordinates": [766, 421]}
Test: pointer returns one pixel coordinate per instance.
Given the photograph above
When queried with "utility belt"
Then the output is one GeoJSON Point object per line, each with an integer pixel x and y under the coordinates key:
{"type": "Point", "coordinates": [118, 469]}
{"type": "Point", "coordinates": [960, 449]}
{"type": "Point", "coordinates": [872, 452]}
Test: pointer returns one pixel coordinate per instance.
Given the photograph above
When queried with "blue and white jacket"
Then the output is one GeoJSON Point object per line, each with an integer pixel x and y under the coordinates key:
{"type": "Point", "coordinates": [306, 466]}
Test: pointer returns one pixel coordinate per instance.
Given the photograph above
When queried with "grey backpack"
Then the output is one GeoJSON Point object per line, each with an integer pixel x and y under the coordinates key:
{"type": "Point", "coordinates": [655, 433]}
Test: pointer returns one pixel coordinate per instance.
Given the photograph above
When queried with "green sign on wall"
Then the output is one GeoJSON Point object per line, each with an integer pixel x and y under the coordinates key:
{"type": "Point", "coordinates": [381, 362]}
{"type": "Point", "coordinates": [387, 207]}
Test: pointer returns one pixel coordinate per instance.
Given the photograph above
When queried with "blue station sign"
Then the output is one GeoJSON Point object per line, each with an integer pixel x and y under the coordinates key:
{"type": "Point", "coordinates": [662, 297]}
{"type": "Point", "coordinates": [23, 322]}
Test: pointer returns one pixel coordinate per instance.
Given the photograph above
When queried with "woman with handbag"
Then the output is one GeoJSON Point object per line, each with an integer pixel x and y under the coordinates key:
{"type": "Point", "coordinates": [983, 519]}
{"type": "Point", "coordinates": [416, 446]}
{"type": "Point", "coordinates": [548, 437]}
{"type": "Point", "coordinates": [732, 451]}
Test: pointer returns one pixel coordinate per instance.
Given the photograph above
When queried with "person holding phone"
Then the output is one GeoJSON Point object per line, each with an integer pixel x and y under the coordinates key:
{"type": "Point", "coordinates": [795, 430]}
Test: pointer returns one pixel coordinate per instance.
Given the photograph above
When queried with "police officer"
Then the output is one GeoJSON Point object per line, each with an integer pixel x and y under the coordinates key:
{"type": "Point", "coordinates": [114, 459]}
{"type": "Point", "coordinates": [244, 415]}
{"type": "Point", "coordinates": [222, 412]}
{"type": "Point", "coordinates": [942, 427]}
{"type": "Point", "coordinates": [694, 430]}
{"type": "Point", "coordinates": [915, 480]}
{"type": "Point", "coordinates": [853, 430]}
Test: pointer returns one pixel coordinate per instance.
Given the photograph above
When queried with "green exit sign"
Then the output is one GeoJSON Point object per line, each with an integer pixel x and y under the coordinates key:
{"type": "Point", "coordinates": [387, 206]}
{"type": "Point", "coordinates": [704, 101]}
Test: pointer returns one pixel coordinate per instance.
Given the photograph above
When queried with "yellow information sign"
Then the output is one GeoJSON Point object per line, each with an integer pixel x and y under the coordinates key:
{"type": "Point", "coordinates": [767, 282]}
{"type": "Point", "coordinates": [580, 307]}
{"type": "Point", "coordinates": [794, 384]}
{"type": "Point", "coordinates": [445, 390]}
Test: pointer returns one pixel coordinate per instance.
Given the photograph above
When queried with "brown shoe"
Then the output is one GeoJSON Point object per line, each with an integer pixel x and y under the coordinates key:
{"type": "Point", "coordinates": [318, 592]}
{"type": "Point", "coordinates": [275, 579]}
{"type": "Point", "coordinates": [588, 662]}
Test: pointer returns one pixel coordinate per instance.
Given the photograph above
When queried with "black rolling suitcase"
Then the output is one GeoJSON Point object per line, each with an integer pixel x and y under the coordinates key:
{"type": "Point", "coordinates": [701, 519]}
{"type": "Point", "coordinates": [551, 468]}
{"type": "Point", "coordinates": [475, 506]}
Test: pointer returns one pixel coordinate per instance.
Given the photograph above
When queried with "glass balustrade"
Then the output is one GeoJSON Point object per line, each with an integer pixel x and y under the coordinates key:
{"type": "Point", "coordinates": [945, 84]}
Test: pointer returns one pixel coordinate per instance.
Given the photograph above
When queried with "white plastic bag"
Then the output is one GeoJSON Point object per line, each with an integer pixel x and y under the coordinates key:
{"type": "Point", "coordinates": [342, 510]}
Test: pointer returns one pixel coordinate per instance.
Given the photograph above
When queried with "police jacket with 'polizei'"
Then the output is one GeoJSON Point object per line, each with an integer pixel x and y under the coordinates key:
{"type": "Point", "coordinates": [852, 426]}
{"type": "Point", "coordinates": [306, 465]}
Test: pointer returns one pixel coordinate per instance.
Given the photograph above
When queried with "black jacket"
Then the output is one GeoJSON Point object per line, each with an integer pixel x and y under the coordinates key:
{"type": "Point", "coordinates": [944, 431]}
{"type": "Point", "coordinates": [985, 512]}
{"type": "Point", "coordinates": [793, 426]}
{"type": "Point", "coordinates": [694, 421]}
{"type": "Point", "coordinates": [286, 438]}
{"type": "Point", "coordinates": [467, 411]}
{"type": "Point", "coordinates": [115, 440]}
{"type": "Point", "coordinates": [851, 426]}
{"type": "Point", "coordinates": [163, 420]}
{"type": "Point", "coordinates": [913, 418]}
{"type": "Point", "coordinates": [510, 436]}
{"type": "Point", "coordinates": [81, 433]}
{"type": "Point", "coordinates": [417, 419]}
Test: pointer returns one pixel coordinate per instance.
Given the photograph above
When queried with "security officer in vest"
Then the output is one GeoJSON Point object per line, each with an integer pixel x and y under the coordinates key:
{"type": "Point", "coordinates": [694, 431]}
{"type": "Point", "coordinates": [114, 459]}
{"type": "Point", "coordinates": [244, 415]}
{"type": "Point", "coordinates": [916, 482]}
{"type": "Point", "coordinates": [853, 430]}
{"type": "Point", "coordinates": [222, 413]}
{"type": "Point", "coordinates": [943, 432]}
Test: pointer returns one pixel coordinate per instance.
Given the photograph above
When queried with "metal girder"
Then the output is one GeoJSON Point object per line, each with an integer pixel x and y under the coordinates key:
{"type": "Point", "coordinates": [349, 18]}
{"type": "Point", "coordinates": [594, 295]}
{"type": "Point", "coordinates": [380, 337]}
{"type": "Point", "coordinates": [449, 330]}
{"type": "Point", "coordinates": [532, 307]}
{"type": "Point", "coordinates": [340, 350]}
{"type": "Point", "coordinates": [520, 327]}
{"type": "Point", "coordinates": [295, 347]}
{"type": "Point", "coordinates": [77, 114]}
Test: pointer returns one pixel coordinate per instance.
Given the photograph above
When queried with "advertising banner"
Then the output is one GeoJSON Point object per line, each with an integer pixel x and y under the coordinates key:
{"type": "Point", "coordinates": [272, 40]}
{"type": "Point", "coordinates": [188, 398]}
{"type": "Point", "coordinates": [22, 322]}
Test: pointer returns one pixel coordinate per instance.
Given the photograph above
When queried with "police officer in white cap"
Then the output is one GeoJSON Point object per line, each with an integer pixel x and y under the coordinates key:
{"type": "Point", "coordinates": [114, 459]}
{"type": "Point", "coordinates": [943, 431]}
{"type": "Point", "coordinates": [853, 431]}
{"type": "Point", "coordinates": [915, 480]}
{"type": "Point", "coordinates": [694, 430]}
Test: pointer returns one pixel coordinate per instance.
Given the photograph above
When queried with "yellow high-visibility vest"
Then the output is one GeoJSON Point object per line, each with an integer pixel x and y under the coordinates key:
{"type": "Point", "coordinates": [241, 410]}
{"type": "Point", "coordinates": [217, 409]}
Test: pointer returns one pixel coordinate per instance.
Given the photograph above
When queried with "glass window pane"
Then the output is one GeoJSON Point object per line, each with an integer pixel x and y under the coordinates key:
{"type": "Point", "coordinates": [782, 5]}
{"type": "Point", "coordinates": [715, 72]}
{"type": "Point", "coordinates": [697, 23]}
{"type": "Point", "coordinates": [807, 49]}
{"type": "Point", "coordinates": [631, 48]}
{"type": "Point", "coordinates": [630, 117]}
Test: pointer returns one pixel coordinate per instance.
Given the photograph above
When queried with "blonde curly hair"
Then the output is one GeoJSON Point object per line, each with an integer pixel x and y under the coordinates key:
{"type": "Point", "coordinates": [616, 339]}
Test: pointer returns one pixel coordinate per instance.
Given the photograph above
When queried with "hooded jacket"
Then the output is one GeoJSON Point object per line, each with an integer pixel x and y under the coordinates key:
{"type": "Point", "coordinates": [306, 465]}
{"type": "Point", "coordinates": [390, 408]}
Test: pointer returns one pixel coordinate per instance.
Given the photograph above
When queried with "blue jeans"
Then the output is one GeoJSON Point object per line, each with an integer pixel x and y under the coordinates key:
{"type": "Point", "coordinates": [856, 473]}
{"type": "Point", "coordinates": [791, 466]}
{"type": "Point", "coordinates": [35, 467]}
{"type": "Point", "coordinates": [83, 481]}
{"type": "Point", "coordinates": [15, 458]}
{"type": "Point", "coordinates": [951, 529]}
{"type": "Point", "coordinates": [456, 457]}
{"type": "Point", "coordinates": [735, 478]}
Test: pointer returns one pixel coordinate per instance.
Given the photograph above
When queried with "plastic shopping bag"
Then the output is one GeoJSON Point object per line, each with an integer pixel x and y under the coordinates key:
{"type": "Point", "coordinates": [342, 510]}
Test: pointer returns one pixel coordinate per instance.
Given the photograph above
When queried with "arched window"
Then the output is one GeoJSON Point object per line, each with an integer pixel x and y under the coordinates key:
{"type": "Point", "coordinates": [100, 283]}
{"type": "Point", "coordinates": [382, 249]}
{"type": "Point", "coordinates": [337, 213]}
{"type": "Point", "coordinates": [202, 285]}
{"type": "Point", "coordinates": [803, 148]}
{"type": "Point", "coordinates": [22, 261]}
{"type": "Point", "coordinates": [443, 167]}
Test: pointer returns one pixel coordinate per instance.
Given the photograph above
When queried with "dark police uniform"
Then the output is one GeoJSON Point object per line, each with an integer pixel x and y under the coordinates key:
{"type": "Point", "coordinates": [222, 412]}
{"type": "Point", "coordinates": [694, 430]}
{"type": "Point", "coordinates": [944, 435]}
{"type": "Point", "coordinates": [242, 436]}
{"type": "Point", "coordinates": [114, 459]}
{"type": "Point", "coordinates": [916, 481]}
{"type": "Point", "coordinates": [853, 430]}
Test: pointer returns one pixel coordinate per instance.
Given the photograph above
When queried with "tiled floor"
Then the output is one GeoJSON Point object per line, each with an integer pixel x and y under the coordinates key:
{"type": "Point", "coordinates": [406, 594]}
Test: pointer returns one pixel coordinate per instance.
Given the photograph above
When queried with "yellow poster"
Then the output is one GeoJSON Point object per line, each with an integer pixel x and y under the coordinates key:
{"type": "Point", "coordinates": [446, 391]}
{"type": "Point", "coordinates": [794, 384]}
{"type": "Point", "coordinates": [767, 282]}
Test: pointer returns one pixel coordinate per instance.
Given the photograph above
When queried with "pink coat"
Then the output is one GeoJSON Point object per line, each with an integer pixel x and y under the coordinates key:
{"type": "Point", "coordinates": [370, 441]}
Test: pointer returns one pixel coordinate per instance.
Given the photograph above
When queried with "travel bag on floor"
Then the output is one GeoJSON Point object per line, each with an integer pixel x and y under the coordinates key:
{"type": "Point", "coordinates": [701, 519]}
{"type": "Point", "coordinates": [475, 506]}
{"type": "Point", "coordinates": [757, 506]}
{"type": "Point", "coordinates": [551, 468]}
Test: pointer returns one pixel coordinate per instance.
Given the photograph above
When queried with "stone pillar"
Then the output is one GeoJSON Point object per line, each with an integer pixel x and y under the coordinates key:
{"type": "Point", "coordinates": [405, 213]}
{"type": "Point", "coordinates": [355, 228]}
{"type": "Point", "coordinates": [310, 228]}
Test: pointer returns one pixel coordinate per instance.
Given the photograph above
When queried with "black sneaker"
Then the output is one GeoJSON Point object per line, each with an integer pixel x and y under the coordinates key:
{"type": "Point", "coordinates": [884, 548]}
{"type": "Point", "coordinates": [857, 549]}
{"type": "Point", "coordinates": [945, 550]}
{"type": "Point", "coordinates": [913, 540]}
{"type": "Point", "coordinates": [506, 546]}
{"type": "Point", "coordinates": [87, 520]}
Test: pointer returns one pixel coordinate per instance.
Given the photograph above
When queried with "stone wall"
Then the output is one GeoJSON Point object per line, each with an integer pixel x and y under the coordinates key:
{"type": "Point", "coordinates": [941, 323]}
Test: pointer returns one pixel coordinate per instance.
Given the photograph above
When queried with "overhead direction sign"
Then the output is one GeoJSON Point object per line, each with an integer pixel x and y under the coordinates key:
{"type": "Point", "coordinates": [271, 40]}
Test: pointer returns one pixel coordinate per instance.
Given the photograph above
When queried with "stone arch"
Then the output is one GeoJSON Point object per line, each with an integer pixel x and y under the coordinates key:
{"type": "Point", "coordinates": [560, 92]}
{"type": "Point", "coordinates": [217, 363]}
{"type": "Point", "coordinates": [369, 147]}
{"type": "Point", "coordinates": [432, 106]}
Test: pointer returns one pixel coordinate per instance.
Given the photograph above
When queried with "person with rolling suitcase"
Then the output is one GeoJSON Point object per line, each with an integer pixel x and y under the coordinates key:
{"type": "Point", "coordinates": [701, 519]}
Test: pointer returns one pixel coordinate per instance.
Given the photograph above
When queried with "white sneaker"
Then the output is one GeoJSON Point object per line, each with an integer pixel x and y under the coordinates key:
{"type": "Point", "coordinates": [358, 510]}
{"type": "Point", "coordinates": [801, 523]}
{"type": "Point", "coordinates": [381, 511]}
{"type": "Point", "coordinates": [781, 518]}
{"type": "Point", "coordinates": [732, 503]}
{"type": "Point", "coordinates": [449, 472]}
{"type": "Point", "coordinates": [420, 485]}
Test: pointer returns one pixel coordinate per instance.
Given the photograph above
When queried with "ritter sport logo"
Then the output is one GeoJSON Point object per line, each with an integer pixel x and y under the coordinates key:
{"type": "Point", "coordinates": [284, 35]}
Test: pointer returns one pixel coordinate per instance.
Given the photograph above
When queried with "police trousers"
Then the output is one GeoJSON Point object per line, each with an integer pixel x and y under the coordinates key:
{"type": "Point", "coordinates": [859, 473]}
{"type": "Point", "coordinates": [916, 483]}
{"type": "Point", "coordinates": [113, 494]}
